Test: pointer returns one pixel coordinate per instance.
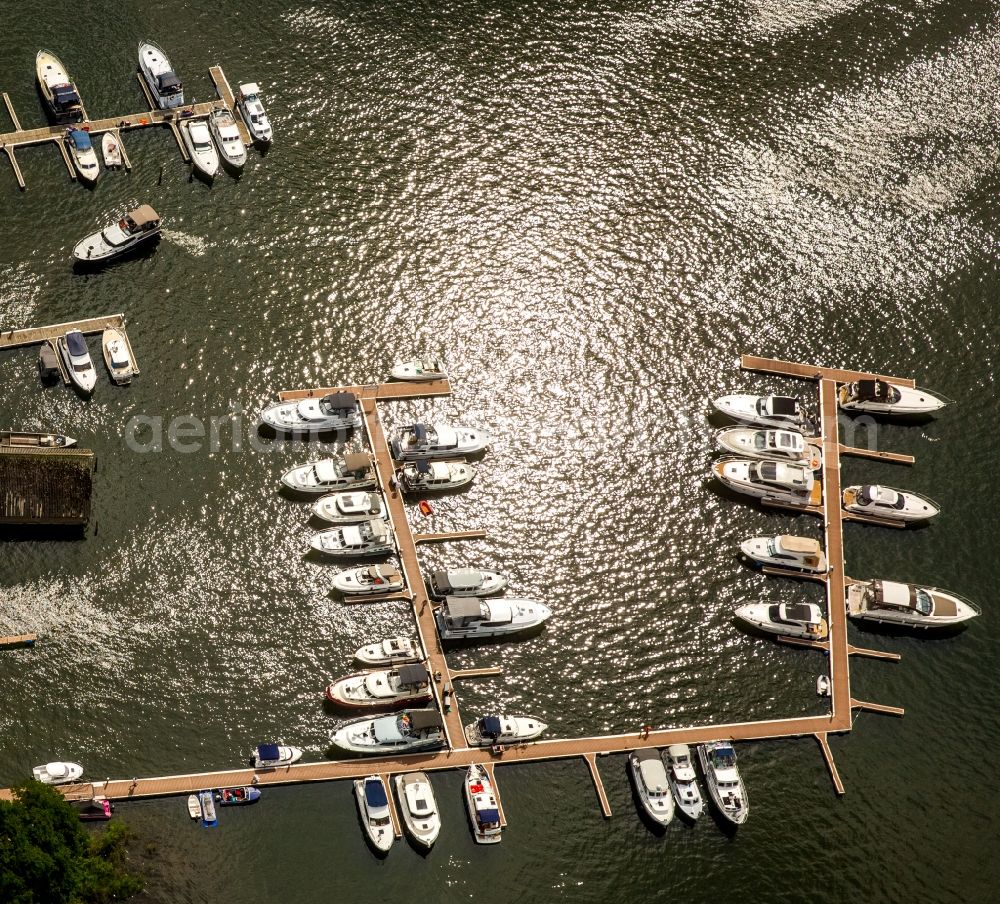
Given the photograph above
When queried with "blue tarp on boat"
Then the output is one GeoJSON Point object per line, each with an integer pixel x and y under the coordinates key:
{"type": "Point", "coordinates": [489, 817]}
{"type": "Point", "coordinates": [490, 726]}
{"type": "Point", "coordinates": [375, 795]}
{"type": "Point", "coordinates": [268, 752]}
{"type": "Point", "coordinates": [76, 344]}
{"type": "Point", "coordinates": [80, 139]}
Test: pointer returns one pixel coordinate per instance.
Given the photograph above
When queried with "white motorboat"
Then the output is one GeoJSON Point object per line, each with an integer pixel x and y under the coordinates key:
{"type": "Point", "coordinates": [355, 471]}
{"type": "Point", "coordinates": [418, 806]}
{"type": "Point", "coordinates": [271, 756]}
{"type": "Point", "coordinates": [333, 412]}
{"type": "Point", "coordinates": [166, 87]}
{"type": "Point", "coordinates": [911, 605]}
{"type": "Point", "coordinates": [774, 481]}
{"type": "Point", "coordinates": [20, 439]}
{"type": "Point", "coordinates": [207, 806]}
{"type": "Point", "coordinates": [133, 230]}
{"type": "Point", "coordinates": [465, 582]}
{"type": "Point", "coordinates": [481, 802]}
{"type": "Point", "coordinates": [725, 786]}
{"type": "Point", "coordinates": [81, 152]}
{"type": "Point", "coordinates": [786, 551]}
{"type": "Point", "coordinates": [111, 150]}
{"type": "Point", "coordinates": [885, 502]}
{"type": "Point", "coordinates": [370, 538]}
{"type": "Point", "coordinates": [198, 141]}
{"type": "Point", "coordinates": [882, 397]}
{"type": "Point", "coordinates": [227, 138]}
{"type": "Point", "coordinates": [76, 358]}
{"type": "Point", "coordinates": [403, 685]}
{"type": "Point", "coordinates": [437, 441]}
{"type": "Point", "coordinates": [411, 731]}
{"type": "Point", "coordinates": [252, 110]}
{"type": "Point", "coordinates": [378, 579]}
{"type": "Point", "coordinates": [350, 507]}
{"type": "Point", "coordinates": [782, 445]}
{"type": "Point", "coordinates": [683, 781]}
{"type": "Point", "coordinates": [471, 617]}
{"type": "Point", "coordinates": [766, 411]}
{"type": "Point", "coordinates": [57, 773]}
{"type": "Point", "coordinates": [651, 785]}
{"type": "Point", "coordinates": [422, 369]}
{"type": "Point", "coordinates": [390, 651]}
{"type": "Point", "coordinates": [58, 90]}
{"type": "Point", "coordinates": [117, 357]}
{"type": "Point", "coordinates": [787, 619]}
{"type": "Point", "coordinates": [491, 730]}
{"type": "Point", "coordinates": [194, 806]}
{"type": "Point", "coordinates": [424, 476]}
{"type": "Point", "coordinates": [373, 805]}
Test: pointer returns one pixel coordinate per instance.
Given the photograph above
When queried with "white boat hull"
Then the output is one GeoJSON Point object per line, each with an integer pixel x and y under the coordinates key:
{"type": "Point", "coordinates": [153, 59]}
{"type": "Point", "coordinates": [381, 835]}
{"type": "Point", "coordinates": [915, 508]}
{"type": "Point", "coordinates": [658, 810]}
{"type": "Point", "coordinates": [57, 773]}
{"type": "Point", "coordinates": [737, 816]}
{"type": "Point", "coordinates": [205, 159]}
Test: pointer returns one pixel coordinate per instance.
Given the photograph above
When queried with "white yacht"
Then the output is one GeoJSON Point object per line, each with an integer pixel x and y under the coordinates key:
{"type": "Point", "coordinates": [775, 481]}
{"type": "Point", "coordinates": [355, 471]}
{"type": "Point", "coordinates": [471, 617]}
{"type": "Point", "coordinates": [757, 442]}
{"type": "Point", "coordinates": [403, 685]}
{"type": "Point", "coordinates": [787, 619]}
{"type": "Point", "coordinates": [786, 551]}
{"type": "Point", "coordinates": [424, 476]}
{"type": "Point", "coordinates": [651, 785]}
{"type": "Point", "coordinates": [437, 441]}
{"type": "Point", "coordinates": [82, 153]}
{"type": "Point", "coordinates": [166, 87]}
{"type": "Point", "coordinates": [420, 370]}
{"type": "Point", "coordinates": [885, 502]}
{"type": "Point", "coordinates": [465, 582]}
{"type": "Point", "coordinates": [271, 756]}
{"type": "Point", "coordinates": [252, 110]}
{"type": "Point", "coordinates": [912, 605]}
{"type": "Point", "coordinates": [117, 357]}
{"type": "Point", "coordinates": [369, 538]}
{"type": "Point", "coordinates": [350, 507]}
{"type": "Point", "coordinates": [132, 231]}
{"type": "Point", "coordinates": [766, 411]}
{"type": "Point", "coordinates": [725, 787]}
{"type": "Point", "coordinates": [481, 802]}
{"type": "Point", "coordinates": [683, 781]}
{"type": "Point", "coordinates": [378, 579]}
{"type": "Point", "coordinates": [390, 651]}
{"type": "Point", "coordinates": [411, 731]}
{"type": "Point", "coordinates": [882, 397]}
{"type": "Point", "coordinates": [198, 141]}
{"type": "Point", "coordinates": [418, 806]}
{"type": "Point", "coordinates": [79, 365]}
{"type": "Point", "coordinates": [491, 730]}
{"type": "Point", "coordinates": [227, 138]}
{"type": "Point", "coordinates": [373, 805]}
{"type": "Point", "coordinates": [57, 773]}
{"type": "Point", "coordinates": [336, 411]}
{"type": "Point", "coordinates": [58, 89]}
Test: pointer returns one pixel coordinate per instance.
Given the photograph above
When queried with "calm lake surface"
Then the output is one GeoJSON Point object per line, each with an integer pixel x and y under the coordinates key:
{"type": "Point", "coordinates": [590, 210]}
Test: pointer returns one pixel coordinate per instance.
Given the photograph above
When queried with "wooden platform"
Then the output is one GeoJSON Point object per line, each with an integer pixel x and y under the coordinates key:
{"type": "Point", "coordinates": [18, 640]}
{"type": "Point", "coordinates": [37, 335]}
{"type": "Point", "coordinates": [812, 372]}
{"type": "Point", "coordinates": [379, 392]}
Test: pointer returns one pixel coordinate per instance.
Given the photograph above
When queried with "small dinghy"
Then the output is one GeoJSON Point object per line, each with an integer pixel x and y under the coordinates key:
{"type": "Point", "coordinates": [373, 806]}
{"type": "Point", "coordinates": [484, 812]}
{"type": "Point", "coordinates": [435, 476]}
{"type": "Point", "coordinates": [21, 440]}
{"type": "Point", "coordinates": [350, 507]}
{"type": "Point", "coordinates": [783, 412]}
{"type": "Point", "coordinates": [683, 781]}
{"type": "Point", "coordinates": [823, 686]}
{"type": "Point", "coordinates": [419, 808]}
{"type": "Point", "coordinates": [117, 357]}
{"type": "Point", "coordinates": [111, 150]}
{"type": "Point", "coordinates": [194, 806]}
{"type": "Point", "coordinates": [437, 441]}
{"type": "Point", "coordinates": [57, 773]}
{"type": "Point", "coordinates": [237, 797]}
{"type": "Point", "coordinates": [369, 579]}
{"type": "Point", "coordinates": [355, 471]}
{"type": "Point", "coordinates": [651, 785]}
{"type": "Point", "coordinates": [491, 730]}
{"type": "Point", "coordinates": [882, 397]}
{"type": "Point", "coordinates": [390, 651]}
{"type": "Point", "coordinates": [270, 756]}
{"type": "Point", "coordinates": [208, 818]}
{"type": "Point", "coordinates": [420, 370]}
{"type": "Point", "coordinates": [370, 538]}
{"type": "Point", "coordinates": [404, 685]}
{"type": "Point", "coordinates": [885, 502]}
{"type": "Point", "coordinates": [465, 582]}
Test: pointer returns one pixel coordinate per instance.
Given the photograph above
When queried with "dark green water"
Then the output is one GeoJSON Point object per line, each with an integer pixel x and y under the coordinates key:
{"type": "Point", "coordinates": [590, 209]}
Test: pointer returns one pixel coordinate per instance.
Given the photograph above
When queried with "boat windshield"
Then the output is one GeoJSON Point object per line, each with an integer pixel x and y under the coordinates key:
{"type": "Point", "coordinates": [924, 604]}
{"type": "Point", "coordinates": [760, 441]}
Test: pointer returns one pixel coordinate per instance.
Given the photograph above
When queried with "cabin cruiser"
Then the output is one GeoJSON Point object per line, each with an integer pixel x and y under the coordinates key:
{"type": "Point", "coordinates": [270, 756]}
{"type": "Point", "coordinates": [912, 605]}
{"type": "Point", "coordinates": [423, 369]}
{"type": "Point", "coordinates": [766, 411]}
{"type": "Point", "coordinates": [437, 441]}
{"type": "Point", "coordinates": [885, 502]}
{"type": "Point", "coordinates": [350, 507]}
{"type": "Point", "coordinates": [424, 476]}
{"type": "Point", "coordinates": [198, 141]}
{"type": "Point", "coordinates": [117, 357]}
{"type": "Point", "coordinates": [227, 138]}
{"type": "Point", "coordinates": [774, 481]}
{"type": "Point", "coordinates": [651, 785]}
{"type": "Point", "coordinates": [419, 808]}
{"type": "Point", "coordinates": [404, 685]}
{"type": "Point", "coordinates": [484, 812]}
{"type": "Point", "coordinates": [786, 551]}
{"type": "Point", "coordinates": [783, 445]}
{"type": "Point", "coordinates": [168, 92]}
{"type": "Point", "coordinates": [336, 411]}
{"type": "Point", "coordinates": [787, 619]}
{"type": "Point", "coordinates": [252, 110]}
{"type": "Point", "coordinates": [683, 781]}
{"type": "Point", "coordinates": [370, 538]}
{"type": "Point", "coordinates": [76, 358]}
{"type": "Point", "coordinates": [725, 787]}
{"type": "Point", "coordinates": [465, 582]}
{"type": "Point", "coordinates": [491, 730]}
{"type": "Point", "coordinates": [131, 231]}
{"type": "Point", "coordinates": [58, 89]}
{"type": "Point", "coordinates": [373, 805]}
{"type": "Point", "coordinates": [390, 651]}
{"type": "Point", "coordinates": [369, 579]}
{"type": "Point", "coordinates": [35, 440]}
{"type": "Point", "coordinates": [882, 397]}
{"type": "Point", "coordinates": [411, 731]}
{"type": "Point", "coordinates": [57, 773]}
{"type": "Point", "coordinates": [470, 617]}
{"type": "Point", "coordinates": [355, 471]}
{"type": "Point", "coordinates": [81, 152]}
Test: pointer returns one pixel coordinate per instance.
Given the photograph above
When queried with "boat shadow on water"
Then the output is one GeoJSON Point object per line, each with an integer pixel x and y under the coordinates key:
{"type": "Point", "coordinates": [143, 250]}
{"type": "Point", "coordinates": [908, 632]}
{"type": "Point", "coordinates": [469, 643]}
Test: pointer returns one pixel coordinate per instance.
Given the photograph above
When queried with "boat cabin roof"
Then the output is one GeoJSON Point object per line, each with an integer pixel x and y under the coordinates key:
{"type": "Point", "coordinates": [892, 593]}
{"type": "Point", "coordinates": [490, 726]}
{"type": "Point", "coordinates": [801, 612]}
{"type": "Point", "coordinates": [488, 816]}
{"type": "Point", "coordinates": [424, 718]}
{"type": "Point", "coordinates": [76, 344]}
{"type": "Point", "coordinates": [168, 82]}
{"type": "Point", "coordinates": [457, 579]}
{"type": "Point", "coordinates": [143, 215]}
{"type": "Point", "coordinates": [382, 572]}
{"type": "Point", "coordinates": [357, 462]}
{"type": "Point", "coordinates": [413, 674]}
{"type": "Point", "coordinates": [80, 139]}
{"type": "Point", "coordinates": [785, 473]}
{"type": "Point", "coordinates": [249, 88]}
{"type": "Point", "coordinates": [339, 401]}
{"type": "Point", "coordinates": [647, 753]}
{"type": "Point", "coordinates": [268, 752]}
{"type": "Point", "coordinates": [464, 606]}
{"type": "Point", "coordinates": [784, 406]}
{"type": "Point", "coordinates": [375, 795]}
{"type": "Point", "coordinates": [799, 544]}
{"type": "Point", "coordinates": [65, 96]}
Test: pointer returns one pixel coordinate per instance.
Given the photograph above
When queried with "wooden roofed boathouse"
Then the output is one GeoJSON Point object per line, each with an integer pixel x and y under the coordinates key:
{"type": "Point", "coordinates": [47, 486]}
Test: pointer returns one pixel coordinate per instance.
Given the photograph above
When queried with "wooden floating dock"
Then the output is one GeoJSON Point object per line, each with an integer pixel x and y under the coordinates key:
{"type": "Point", "coordinates": [375, 392]}
{"type": "Point", "coordinates": [448, 536]}
{"type": "Point", "coordinates": [876, 455]}
{"type": "Point", "coordinates": [595, 774]}
{"type": "Point", "coordinates": [873, 654]}
{"type": "Point", "coordinates": [878, 708]}
{"type": "Point", "coordinates": [496, 793]}
{"type": "Point", "coordinates": [812, 372]}
{"type": "Point", "coordinates": [490, 672]}
{"type": "Point", "coordinates": [18, 640]}
{"type": "Point", "coordinates": [830, 764]}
